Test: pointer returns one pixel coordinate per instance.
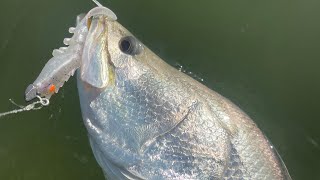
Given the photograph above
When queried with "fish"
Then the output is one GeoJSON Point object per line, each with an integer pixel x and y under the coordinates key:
{"type": "Point", "coordinates": [146, 119]}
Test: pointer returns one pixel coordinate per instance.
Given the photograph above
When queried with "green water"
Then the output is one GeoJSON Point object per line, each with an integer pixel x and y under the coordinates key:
{"type": "Point", "coordinates": [263, 55]}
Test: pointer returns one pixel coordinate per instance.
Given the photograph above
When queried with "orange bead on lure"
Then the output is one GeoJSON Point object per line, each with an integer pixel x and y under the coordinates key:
{"type": "Point", "coordinates": [52, 88]}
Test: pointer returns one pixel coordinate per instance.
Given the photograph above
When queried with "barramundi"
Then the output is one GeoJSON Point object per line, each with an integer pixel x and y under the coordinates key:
{"type": "Point", "coordinates": [148, 120]}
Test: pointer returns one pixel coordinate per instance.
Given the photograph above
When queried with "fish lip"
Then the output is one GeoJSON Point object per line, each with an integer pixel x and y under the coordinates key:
{"type": "Point", "coordinates": [30, 92]}
{"type": "Point", "coordinates": [95, 68]}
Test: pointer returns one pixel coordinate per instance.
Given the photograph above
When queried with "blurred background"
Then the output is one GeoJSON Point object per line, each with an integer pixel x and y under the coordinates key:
{"type": "Point", "coordinates": [263, 55]}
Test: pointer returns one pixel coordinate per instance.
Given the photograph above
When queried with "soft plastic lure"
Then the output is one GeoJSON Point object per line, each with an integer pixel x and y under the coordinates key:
{"type": "Point", "coordinates": [63, 64]}
{"type": "Point", "coordinates": [65, 60]}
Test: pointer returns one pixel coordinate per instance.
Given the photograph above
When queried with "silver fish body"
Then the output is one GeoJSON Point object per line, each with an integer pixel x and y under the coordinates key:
{"type": "Point", "coordinates": [147, 120]}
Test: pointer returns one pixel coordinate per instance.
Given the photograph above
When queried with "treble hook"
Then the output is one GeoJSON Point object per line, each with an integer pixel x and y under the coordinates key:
{"type": "Point", "coordinates": [33, 106]}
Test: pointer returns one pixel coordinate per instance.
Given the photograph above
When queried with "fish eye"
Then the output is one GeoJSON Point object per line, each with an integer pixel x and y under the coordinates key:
{"type": "Point", "coordinates": [130, 45]}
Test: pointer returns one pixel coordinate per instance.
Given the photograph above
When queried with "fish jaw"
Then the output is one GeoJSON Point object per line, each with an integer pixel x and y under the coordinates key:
{"type": "Point", "coordinates": [96, 69]}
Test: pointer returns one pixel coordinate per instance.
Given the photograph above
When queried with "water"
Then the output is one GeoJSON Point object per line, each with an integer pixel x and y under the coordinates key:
{"type": "Point", "coordinates": [263, 55]}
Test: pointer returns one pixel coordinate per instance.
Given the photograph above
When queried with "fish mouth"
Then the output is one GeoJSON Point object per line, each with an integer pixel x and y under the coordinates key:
{"type": "Point", "coordinates": [96, 68]}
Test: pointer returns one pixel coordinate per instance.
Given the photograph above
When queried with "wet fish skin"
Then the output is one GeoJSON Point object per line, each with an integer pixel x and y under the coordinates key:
{"type": "Point", "coordinates": [153, 122]}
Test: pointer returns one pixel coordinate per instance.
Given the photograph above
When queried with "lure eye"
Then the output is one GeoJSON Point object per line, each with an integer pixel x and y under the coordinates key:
{"type": "Point", "coordinates": [130, 45]}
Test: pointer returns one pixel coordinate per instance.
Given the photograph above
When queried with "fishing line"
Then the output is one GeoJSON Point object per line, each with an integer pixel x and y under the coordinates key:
{"type": "Point", "coordinates": [97, 3]}
{"type": "Point", "coordinates": [33, 106]}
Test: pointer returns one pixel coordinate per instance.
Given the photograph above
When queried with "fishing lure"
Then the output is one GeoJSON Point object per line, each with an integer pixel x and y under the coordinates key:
{"type": "Point", "coordinates": [63, 64]}
{"type": "Point", "coordinates": [65, 60]}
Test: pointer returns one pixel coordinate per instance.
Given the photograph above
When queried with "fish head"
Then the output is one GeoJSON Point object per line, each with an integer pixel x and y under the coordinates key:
{"type": "Point", "coordinates": [112, 53]}
{"type": "Point", "coordinates": [124, 87]}
{"type": "Point", "coordinates": [111, 49]}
